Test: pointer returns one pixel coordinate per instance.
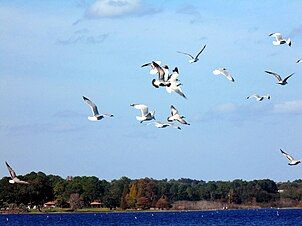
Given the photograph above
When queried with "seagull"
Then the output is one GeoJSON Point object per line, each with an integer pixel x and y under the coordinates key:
{"type": "Point", "coordinates": [299, 61]}
{"type": "Point", "coordinates": [159, 124]}
{"type": "Point", "coordinates": [280, 40]}
{"type": "Point", "coordinates": [278, 77]}
{"type": "Point", "coordinates": [162, 72]}
{"type": "Point", "coordinates": [258, 97]}
{"type": "Point", "coordinates": [175, 116]}
{"type": "Point", "coordinates": [14, 177]}
{"type": "Point", "coordinates": [96, 116]}
{"type": "Point", "coordinates": [291, 160]}
{"type": "Point", "coordinates": [224, 72]}
{"type": "Point", "coordinates": [146, 115]}
{"type": "Point", "coordinates": [193, 59]}
{"type": "Point", "coordinates": [174, 83]}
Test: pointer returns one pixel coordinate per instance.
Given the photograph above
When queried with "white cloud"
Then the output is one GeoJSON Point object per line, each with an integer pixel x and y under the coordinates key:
{"type": "Point", "coordinates": [112, 8]}
{"type": "Point", "coordinates": [294, 107]}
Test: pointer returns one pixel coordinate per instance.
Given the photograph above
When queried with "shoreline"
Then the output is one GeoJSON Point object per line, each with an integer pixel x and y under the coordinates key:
{"type": "Point", "coordinates": [88, 211]}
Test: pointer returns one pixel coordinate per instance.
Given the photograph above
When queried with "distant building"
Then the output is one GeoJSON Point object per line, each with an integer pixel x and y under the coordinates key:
{"type": "Point", "coordinates": [50, 204]}
{"type": "Point", "coordinates": [96, 204]}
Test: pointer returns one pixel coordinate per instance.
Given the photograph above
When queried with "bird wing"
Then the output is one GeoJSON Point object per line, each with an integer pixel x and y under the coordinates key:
{"type": "Point", "coordinates": [160, 71]}
{"type": "Point", "coordinates": [145, 65]}
{"type": "Point", "coordinates": [18, 181]}
{"type": "Point", "coordinates": [92, 105]}
{"type": "Point", "coordinates": [173, 125]}
{"type": "Point", "coordinates": [107, 115]}
{"type": "Point", "coordinates": [11, 171]}
{"type": "Point", "coordinates": [182, 121]}
{"type": "Point", "coordinates": [200, 51]}
{"type": "Point", "coordinates": [278, 77]}
{"type": "Point", "coordinates": [284, 80]}
{"type": "Point", "coordinates": [298, 61]}
{"type": "Point", "coordinates": [186, 54]}
{"type": "Point", "coordinates": [277, 36]}
{"type": "Point", "coordinates": [289, 157]}
{"type": "Point", "coordinates": [179, 91]}
{"type": "Point", "coordinates": [227, 75]}
{"type": "Point", "coordinates": [174, 111]}
{"type": "Point", "coordinates": [143, 108]}
{"type": "Point", "coordinates": [159, 123]}
{"type": "Point", "coordinates": [254, 95]}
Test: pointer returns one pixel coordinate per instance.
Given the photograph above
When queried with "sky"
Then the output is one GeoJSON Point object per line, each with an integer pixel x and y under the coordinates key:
{"type": "Point", "coordinates": [54, 52]}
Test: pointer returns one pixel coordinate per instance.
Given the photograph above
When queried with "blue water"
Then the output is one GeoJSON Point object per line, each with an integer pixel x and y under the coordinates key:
{"type": "Point", "coordinates": [227, 217]}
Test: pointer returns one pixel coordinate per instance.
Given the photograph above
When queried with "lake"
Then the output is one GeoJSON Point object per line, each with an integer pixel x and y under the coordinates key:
{"type": "Point", "coordinates": [223, 217]}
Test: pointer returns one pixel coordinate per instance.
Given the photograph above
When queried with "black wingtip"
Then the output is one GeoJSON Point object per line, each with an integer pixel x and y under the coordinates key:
{"type": "Point", "coordinates": [85, 98]}
{"type": "Point", "coordinates": [176, 70]}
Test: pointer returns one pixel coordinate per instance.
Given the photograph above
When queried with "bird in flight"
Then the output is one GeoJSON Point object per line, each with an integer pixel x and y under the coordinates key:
{"type": "Point", "coordinates": [279, 79]}
{"type": "Point", "coordinates": [145, 114]}
{"type": "Point", "coordinates": [175, 85]}
{"type": "Point", "coordinates": [96, 115]}
{"type": "Point", "coordinates": [224, 72]}
{"type": "Point", "coordinates": [291, 160]}
{"type": "Point", "coordinates": [280, 40]}
{"type": "Point", "coordinates": [14, 178]}
{"type": "Point", "coordinates": [175, 116]}
{"type": "Point", "coordinates": [192, 58]}
{"type": "Point", "coordinates": [258, 97]}
{"type": "Point", "coordinates": [160, 124]}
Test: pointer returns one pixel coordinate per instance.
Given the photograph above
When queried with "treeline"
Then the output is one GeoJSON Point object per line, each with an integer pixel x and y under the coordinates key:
{"type": "Point", "coordinates": [144, 193]}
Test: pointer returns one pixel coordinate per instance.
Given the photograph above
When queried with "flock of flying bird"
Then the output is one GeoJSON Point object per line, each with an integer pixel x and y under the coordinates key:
{"type": "Point", "coordinates": [172, 84]}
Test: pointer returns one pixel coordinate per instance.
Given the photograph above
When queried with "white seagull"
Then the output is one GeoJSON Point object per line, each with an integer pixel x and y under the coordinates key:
{"type": "Point", "coordinates": [224, 72]}
{"type": "Point", "coordinates": [280, 40]}
{"type": "Point", "coordinates": [291, 160]}
{"type": "Point", "coordinates": [279, 79]}
{"type": "Point", "coordinates": [175, 84]}
{"type": "Point", "coordinates": [96, 116]}
{"type": "Point", "coordinates": [159, 124]}
{"type": "Point", "coordinates": [258, 97]}
{"type": "Point", "coordinates": [14, 177]}
{"type": "Point", "coordinates": [146, 115]}
{"type": "Point", "coordinates": [175, 116]}
{"type": "Point", "coordinates": [193, 59]}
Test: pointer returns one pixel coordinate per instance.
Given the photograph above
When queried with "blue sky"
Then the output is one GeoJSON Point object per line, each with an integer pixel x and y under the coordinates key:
{"type": "Point", "coordinates": [54, 52]}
